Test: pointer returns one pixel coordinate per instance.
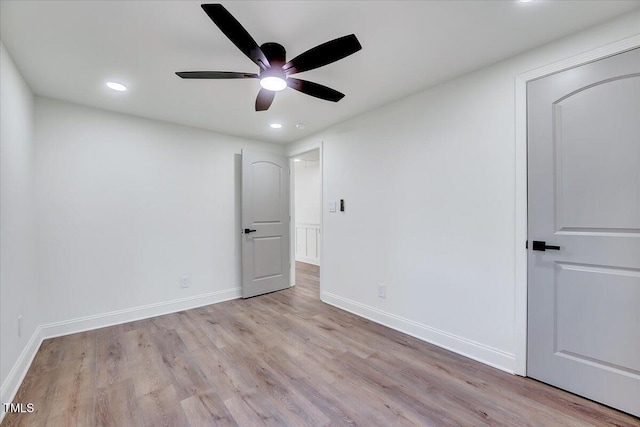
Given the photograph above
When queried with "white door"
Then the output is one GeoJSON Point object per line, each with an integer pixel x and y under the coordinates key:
{"type": "Point", "coordinates": [265, 222]}
{"type": "Point", "coordinates": [584, 203]}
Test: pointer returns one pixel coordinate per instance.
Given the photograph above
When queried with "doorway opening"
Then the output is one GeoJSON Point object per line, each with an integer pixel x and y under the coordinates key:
{"type": "Point", "coordinates": [306, 219]}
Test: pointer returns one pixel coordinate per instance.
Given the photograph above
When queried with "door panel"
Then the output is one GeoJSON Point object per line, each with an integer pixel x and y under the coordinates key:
{"type": "Point", "coordinates": [267, 257]}
{"type": "Point", "coordinates": [265, 213]}
{"type": "Point", "coordinates": [598, 157]}
{"type": "Point", "coordinates": [267, 197]}
{"type": "Point", "coordinates": [584, 196]}
{"type": "Point", "coordinates": [587, 330]}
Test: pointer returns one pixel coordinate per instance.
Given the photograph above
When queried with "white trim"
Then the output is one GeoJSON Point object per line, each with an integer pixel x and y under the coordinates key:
{"type": "Point", "coordinates": [321, 245]}
{"type": "Point", "coordinates": [118, 317]}
{"type": "Point", "coordinates": [292, 223]}
{"type": "Point", "coordinates": [471, 349]}
{"type": "Point", "coordinates": [19, 370]}
{"type": "Point", "coordinates": [519, 250]}
{"type": "Point", "coordinates": [307, 225]}
{"type": "Point", "coordinates": [308, 260]}
{"type": "Point", "coordinates": [521, 180]}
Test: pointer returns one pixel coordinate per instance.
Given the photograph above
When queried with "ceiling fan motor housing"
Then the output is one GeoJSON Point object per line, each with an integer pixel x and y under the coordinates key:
{"type": "Point", "coordinates": [275, 53]}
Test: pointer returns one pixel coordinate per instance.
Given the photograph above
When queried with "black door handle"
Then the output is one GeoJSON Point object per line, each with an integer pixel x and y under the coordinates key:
{"type": "Point", "coordinates": [542, 246]}
{"type": "Point", "coordinates": [247, 231]}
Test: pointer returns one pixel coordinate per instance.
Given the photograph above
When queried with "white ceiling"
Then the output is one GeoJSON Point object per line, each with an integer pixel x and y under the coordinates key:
{"type": "Point", "coordinates": [69, 49]}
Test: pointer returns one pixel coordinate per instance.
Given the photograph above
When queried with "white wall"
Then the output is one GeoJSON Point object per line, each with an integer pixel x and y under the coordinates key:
{"type": "Point", "coordinates": [429, 185]}
{"type": "Point", "coordinates": [127, 206]}
{"type": "Point", "coordinates": [307, 192]}
{"type": "Point", "coordinates": [18, 254]}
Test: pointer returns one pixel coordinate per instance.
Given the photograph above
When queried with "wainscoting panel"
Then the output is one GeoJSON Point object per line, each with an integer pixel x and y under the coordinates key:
{"type": "Point", "coordinates": [308, 243]}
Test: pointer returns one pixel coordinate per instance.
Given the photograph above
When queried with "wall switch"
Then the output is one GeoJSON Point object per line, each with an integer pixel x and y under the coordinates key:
{"type": "Point", "coordinates": [185, 281]}
{"type": "Point", "coordinates": [382, 290]}
{"type": "Point", "coordinates": [332, 207]}
{"type": "Point", "coordinates": [19, 326]}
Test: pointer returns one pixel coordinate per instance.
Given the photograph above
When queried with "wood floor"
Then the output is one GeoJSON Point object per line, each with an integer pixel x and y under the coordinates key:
{"type": "Point", "coordinates": [280, 359]}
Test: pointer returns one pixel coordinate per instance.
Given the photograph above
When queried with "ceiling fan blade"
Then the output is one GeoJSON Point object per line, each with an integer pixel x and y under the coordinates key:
{"type": "Point", "coordinates": [315, 89]}
{"type": "Point", "coordinates": [236, 33]}
{"type": "Point", "coordinates": [264, 99]}
{"type": "Point", "coordinates": [215, 75]}
{"type": "Point", "coordinates": [323, 54]}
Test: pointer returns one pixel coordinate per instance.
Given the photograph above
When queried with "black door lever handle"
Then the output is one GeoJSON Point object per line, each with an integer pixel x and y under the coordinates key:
{"type": "Point", "coordinates": [542, 246]}
{"type": "Point", "coordinates": [247, 231]}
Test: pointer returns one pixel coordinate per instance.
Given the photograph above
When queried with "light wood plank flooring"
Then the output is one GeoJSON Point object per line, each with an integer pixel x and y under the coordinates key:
{"type": "Point", "coordinates": [280, 359]}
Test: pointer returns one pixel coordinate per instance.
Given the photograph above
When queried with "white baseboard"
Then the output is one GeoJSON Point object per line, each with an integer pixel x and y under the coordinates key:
{"type": "Point", "coordinates": [308, 260]}
{"type": "Point", "coordinates": [117, 317]}
{"type": "Point", "coordinates": [473, 350]}
{"type": "Point", "coordinates": [17, 373]}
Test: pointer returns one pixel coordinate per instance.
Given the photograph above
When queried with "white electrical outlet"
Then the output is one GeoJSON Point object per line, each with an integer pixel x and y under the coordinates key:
{"type": "Point", "coordinates": [185, 281]}
{"type": "Point", "coordinates": [20, 326]}
{"type": "Point", "coordinates": [382, 290]}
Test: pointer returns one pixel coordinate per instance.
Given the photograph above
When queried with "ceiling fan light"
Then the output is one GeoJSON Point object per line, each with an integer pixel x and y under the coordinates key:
{"type": "Point", "coordinates": [273, 83]}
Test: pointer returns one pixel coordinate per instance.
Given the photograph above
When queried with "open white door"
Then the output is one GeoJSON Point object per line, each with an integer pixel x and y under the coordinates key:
{"type": "Point", "coordinates": [265, 222]}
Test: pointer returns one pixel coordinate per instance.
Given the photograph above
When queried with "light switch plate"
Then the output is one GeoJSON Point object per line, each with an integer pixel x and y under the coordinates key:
{"type": "Point", "coordinates": [332, 207]}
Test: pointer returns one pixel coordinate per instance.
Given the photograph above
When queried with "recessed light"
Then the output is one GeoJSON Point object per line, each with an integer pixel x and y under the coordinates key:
{"type": "Point", "coordinates": [296, 160]}
{"type": "Point", "coordinates": [116, 86]}
{"type": "Point", "coordinates": [301, 126]}
{"type": "Point", "coordinates": [525, 1]}
{"type": "Point", "coordinates": [275, 125]}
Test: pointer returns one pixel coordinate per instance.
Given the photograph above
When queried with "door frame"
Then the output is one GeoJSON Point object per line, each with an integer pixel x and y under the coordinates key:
{"type": "Point", "coordinates": [521, 184]}
{"type": "Point", "coordinates": [291, 153]}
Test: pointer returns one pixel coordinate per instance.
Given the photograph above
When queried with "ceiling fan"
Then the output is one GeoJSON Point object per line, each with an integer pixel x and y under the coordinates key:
{"type": "Point", "coordinates": [274, 71]}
